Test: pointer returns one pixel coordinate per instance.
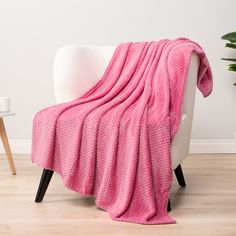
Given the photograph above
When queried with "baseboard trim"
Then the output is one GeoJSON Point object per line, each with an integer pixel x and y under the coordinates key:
{"type": "Point", "coordinates": [196, 146]}
{"type": "Point", "coordinates": [20, 146]}
{"type": "Point", "coordinates": [213, 146]}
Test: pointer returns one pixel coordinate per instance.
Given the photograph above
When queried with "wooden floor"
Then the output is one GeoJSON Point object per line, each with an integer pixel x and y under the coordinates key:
{"type": "Point", "coordinates": [207, 206]}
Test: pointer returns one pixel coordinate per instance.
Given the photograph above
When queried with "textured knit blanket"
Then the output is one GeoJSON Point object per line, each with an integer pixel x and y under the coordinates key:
{"type": "Point", "coordinates": [114, 141]}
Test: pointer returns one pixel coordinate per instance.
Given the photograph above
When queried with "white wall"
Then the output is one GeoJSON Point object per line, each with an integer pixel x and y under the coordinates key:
{"type": "Point", "coordinates": [32, 30]}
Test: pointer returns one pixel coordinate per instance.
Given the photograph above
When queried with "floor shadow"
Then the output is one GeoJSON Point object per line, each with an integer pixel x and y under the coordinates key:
{"type": "Point", "coordinates": [83, 201]}
{"type": "Point", "coordinates": [176, 197]}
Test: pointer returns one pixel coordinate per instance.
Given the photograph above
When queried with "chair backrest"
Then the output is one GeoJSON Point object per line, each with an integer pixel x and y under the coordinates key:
{"type": "Point", "coordinates": [77, 68]}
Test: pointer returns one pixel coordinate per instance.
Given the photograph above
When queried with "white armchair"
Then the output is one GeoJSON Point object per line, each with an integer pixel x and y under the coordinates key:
{"type": "Point", "coordinates": [77, 68]}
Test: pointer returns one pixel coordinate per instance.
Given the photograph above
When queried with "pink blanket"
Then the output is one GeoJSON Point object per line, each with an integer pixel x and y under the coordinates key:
{"type": "Point", "coordinates": [114, 141]}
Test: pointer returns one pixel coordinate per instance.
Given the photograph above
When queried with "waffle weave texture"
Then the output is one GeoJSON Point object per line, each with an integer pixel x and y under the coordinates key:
{"type": "Point", "coordinates": [114, 141]}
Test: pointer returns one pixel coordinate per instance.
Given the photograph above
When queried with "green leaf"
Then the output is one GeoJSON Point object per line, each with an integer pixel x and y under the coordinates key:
{"type": "Point", "coordinates": [229, 59]}
{"type": "Point", "coordinates": [232, 67]}
{"type": "Point", "coordinates": [230, 45]}
{"type": "Point", "coordinates": [230, 37]}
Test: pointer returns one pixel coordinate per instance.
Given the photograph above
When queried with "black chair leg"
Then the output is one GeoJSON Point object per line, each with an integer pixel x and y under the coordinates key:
{"type": "Point", "coordinates": [179, 175]}
{"type": "Point", "coordinates": [169, 206]}
{"type": "Point", "coordinates": [43, 185]}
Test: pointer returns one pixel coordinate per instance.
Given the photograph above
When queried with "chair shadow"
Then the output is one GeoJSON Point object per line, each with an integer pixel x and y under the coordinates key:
{"type": "Point", "coordinates": [85, 201]}
{"type": "Point", "coordinates": [176, 197]}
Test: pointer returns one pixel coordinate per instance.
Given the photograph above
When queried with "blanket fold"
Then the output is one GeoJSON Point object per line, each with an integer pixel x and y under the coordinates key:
{"type": "Point", "coordinates": [114, 141]}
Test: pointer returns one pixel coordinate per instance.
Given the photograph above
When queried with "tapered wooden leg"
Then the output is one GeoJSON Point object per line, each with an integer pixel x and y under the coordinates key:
{"type": "Point", "coordinates": [6, 146]}
{"type": "Point", "coordinates": [43, 185]}
{"type": "Point", "coordinates": [180, 176]}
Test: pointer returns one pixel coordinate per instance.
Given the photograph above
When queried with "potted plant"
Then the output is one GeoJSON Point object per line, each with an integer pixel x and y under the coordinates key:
{"type": "Point", "coordinates": [231, 37]}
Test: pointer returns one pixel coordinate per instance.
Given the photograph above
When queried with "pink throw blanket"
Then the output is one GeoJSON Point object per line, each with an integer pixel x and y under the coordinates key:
{"type": "Point", "coordinates": [114, 141]}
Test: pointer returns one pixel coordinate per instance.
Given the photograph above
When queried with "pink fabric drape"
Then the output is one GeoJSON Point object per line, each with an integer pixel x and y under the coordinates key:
{"type": "Point", "coordinates": [114, 141]}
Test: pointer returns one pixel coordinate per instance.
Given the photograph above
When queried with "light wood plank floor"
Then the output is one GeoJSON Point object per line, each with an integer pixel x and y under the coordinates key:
{"type": "Point", "coordinates": [207, 206]}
